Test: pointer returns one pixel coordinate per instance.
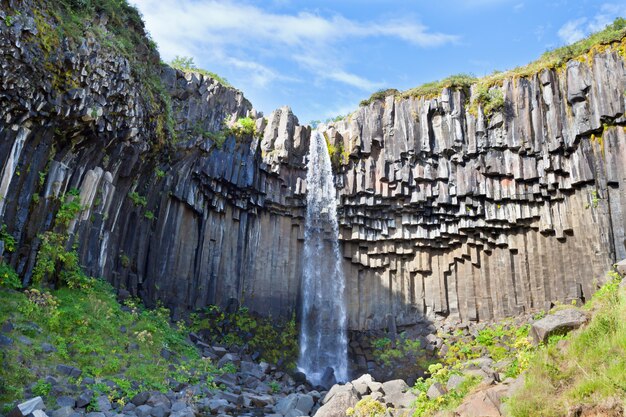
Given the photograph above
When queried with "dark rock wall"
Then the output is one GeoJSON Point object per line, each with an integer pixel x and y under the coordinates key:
{"type": "Point", "coordinates": [443, 213]}
{"type": "Point", "coordinates": [448, 214]}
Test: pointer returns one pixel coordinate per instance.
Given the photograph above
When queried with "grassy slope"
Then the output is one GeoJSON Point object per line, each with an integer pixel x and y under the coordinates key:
{"type": "Point", "coordinates": [90, 330]}
{"type": "Point", "coordinates": [586, 367]}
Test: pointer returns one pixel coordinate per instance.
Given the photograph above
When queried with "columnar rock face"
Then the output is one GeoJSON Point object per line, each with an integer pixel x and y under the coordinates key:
{"type": "Point", "coordinates": [443, 213]}
{"type": "Point", "coordinates": [474, 217]}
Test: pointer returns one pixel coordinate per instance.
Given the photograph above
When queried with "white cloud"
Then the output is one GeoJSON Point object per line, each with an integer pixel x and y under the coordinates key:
{"type": "Point", "coordinates": [576, 29]}
{"type": "Point", "coordinates": [240, 34]}
{"type": "Point", "coordinates": [573, 30]}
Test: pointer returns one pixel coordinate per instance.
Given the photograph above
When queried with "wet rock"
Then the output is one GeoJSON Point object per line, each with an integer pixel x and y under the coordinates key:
{"type": "Point", "coordinates": [328, 378]}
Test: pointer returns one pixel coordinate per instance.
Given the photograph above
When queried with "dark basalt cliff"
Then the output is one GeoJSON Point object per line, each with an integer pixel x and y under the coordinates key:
{"type": "Point", "coordinates": [443, 213]}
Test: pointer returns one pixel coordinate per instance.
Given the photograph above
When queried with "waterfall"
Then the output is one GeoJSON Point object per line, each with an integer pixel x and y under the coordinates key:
{"type": "Point", "coordinates": [323, 338]}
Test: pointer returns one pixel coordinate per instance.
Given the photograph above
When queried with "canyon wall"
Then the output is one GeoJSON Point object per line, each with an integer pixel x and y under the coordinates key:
{"type": "Point", "coordinates": [444, 212]}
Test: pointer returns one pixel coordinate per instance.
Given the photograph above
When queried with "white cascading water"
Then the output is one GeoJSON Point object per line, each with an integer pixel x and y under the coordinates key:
{"type": "Point", "coordinates": [323, 336]}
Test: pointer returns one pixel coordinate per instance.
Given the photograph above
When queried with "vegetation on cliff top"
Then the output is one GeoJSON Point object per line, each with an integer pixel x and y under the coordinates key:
{"type": "Point", "coordinates": [186, 64]}
{"type": "Point", "coordinates": [555, 58]}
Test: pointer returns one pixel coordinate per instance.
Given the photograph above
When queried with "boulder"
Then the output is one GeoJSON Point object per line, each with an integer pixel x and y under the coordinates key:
{"type": "Point", "coordinates": [621, 267]}
{"type": "Point", "coordinates": [286, 404]}
{"type": "Point", "coordinates": [400, 399]}
{"type": "Point", "coordinates": [229, 358]}
{"type": "Point", "coordinates": [103, 403]}
{"type": "Point", "coordinates": [140, 398]}
{"type": "Point", "coordinates": [66, 411]}
{"type": "Point", "coordinates": [562, 321]}
{"type": "Point", "coordinates": [143, 410]}
{"type": "Point", "coordinates": [484, 403]}
{"type": "Point", "coordinates": [27, 407]}
{"type": "Point", "coordinates": [454, 382]}
{"type": "Point", "coordinates": [436, 390]}
{"type": "Point", "coordinates": [84, 399]}
{"type": "Point", "coordinates": [328, 378]}
{"type": "Point", "coordinates": [338, 404]}
{"type": "Point", "coordinates": [65, 401]}
{"type": "Point", "coordinates": [336, 389]}
{"type": "Point", "coordinates": [395, 386]}
{"type": "Point", "coordinates": [71, 371]}
{"type": "Point", "coordinates": [305, 403]}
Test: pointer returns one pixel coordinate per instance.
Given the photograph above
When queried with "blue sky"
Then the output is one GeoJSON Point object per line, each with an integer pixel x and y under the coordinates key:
{"type": "Point", "coordinates": [323, 57]}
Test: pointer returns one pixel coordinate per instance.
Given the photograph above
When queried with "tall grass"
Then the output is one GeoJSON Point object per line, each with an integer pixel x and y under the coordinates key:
{"type": "Point", "coordinates": [586, 367]}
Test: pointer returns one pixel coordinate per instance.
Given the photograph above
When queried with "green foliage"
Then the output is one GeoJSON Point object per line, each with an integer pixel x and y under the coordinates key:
{"type": "Point", "coordinates": [424, 406]}
{"type": "Point", "coordinates": [384, 351]}
{"type": "Point", "coordinates": [490, 99]}
{"type": "Point", "coordinates": [186, 64]}
{"type": "Point", "coordinates": [274, 386]}
{"type": "Point", "coordinates": [159, 173]}
{"type": "Point", "coordinates": [367, 407]}
{"type": "Point", "coordinates": [498, 341]}
{"type": "Point", "coordinates": [584, 367]}
{"type": "Point", "coordinates": [10, 19]}
{"type": "Point", "coordinates": [84, 327]}
{"type": "Point", "coordinates": [456, 82]}
{"type": "Point", "coordinates": [53, 259]}
{"type": "Point", "coordinates": [137, 199]}
{"type": "Point", "coordinates": [149, 215]}
{"type": "Point", "coordinates": [70, 207]}
{"type": "Point", "coordinates": [338, 154]}
{"type": "Point", "coordinates": [379, 95]}
{"type": "Point", "coordinates": [42, 388]}
{"type": "Point", "coordinates": [57, 263]}
{"type": "Point", "coordinates": [244, 127]}
{"type": "Point", "coordinates": [7, 238]}
{"type": "Point", "coordinates": [8, 277]}
{"type": "Point", "coordinates": [275, 341]}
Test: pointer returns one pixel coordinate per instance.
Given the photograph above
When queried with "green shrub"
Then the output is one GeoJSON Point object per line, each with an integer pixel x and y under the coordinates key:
{"type": "Point", "coordinates": [367, 407]}
{"type": "Point", "coordinates": [7, 238]}
{"type": "Point", "coordinates": [138, 199]}
{"type": "Point", "coordinates": [244, 127]}
{"type": "Point", "coordinates": [42, 388]}
{"type": "Point", "coordinates": [9, 278]}
{"type": "Point", "coordinates": [490, 99]}
{"type": "Point", "coordinates": [186, 64]}
{"type": "Point", "coordinates": [276, 341]}
{"type": "Point", "coordinates": [456, 82]}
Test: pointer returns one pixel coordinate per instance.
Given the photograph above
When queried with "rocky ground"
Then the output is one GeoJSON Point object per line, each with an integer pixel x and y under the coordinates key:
{"type": "Point", "coordinates": [257, 388]}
